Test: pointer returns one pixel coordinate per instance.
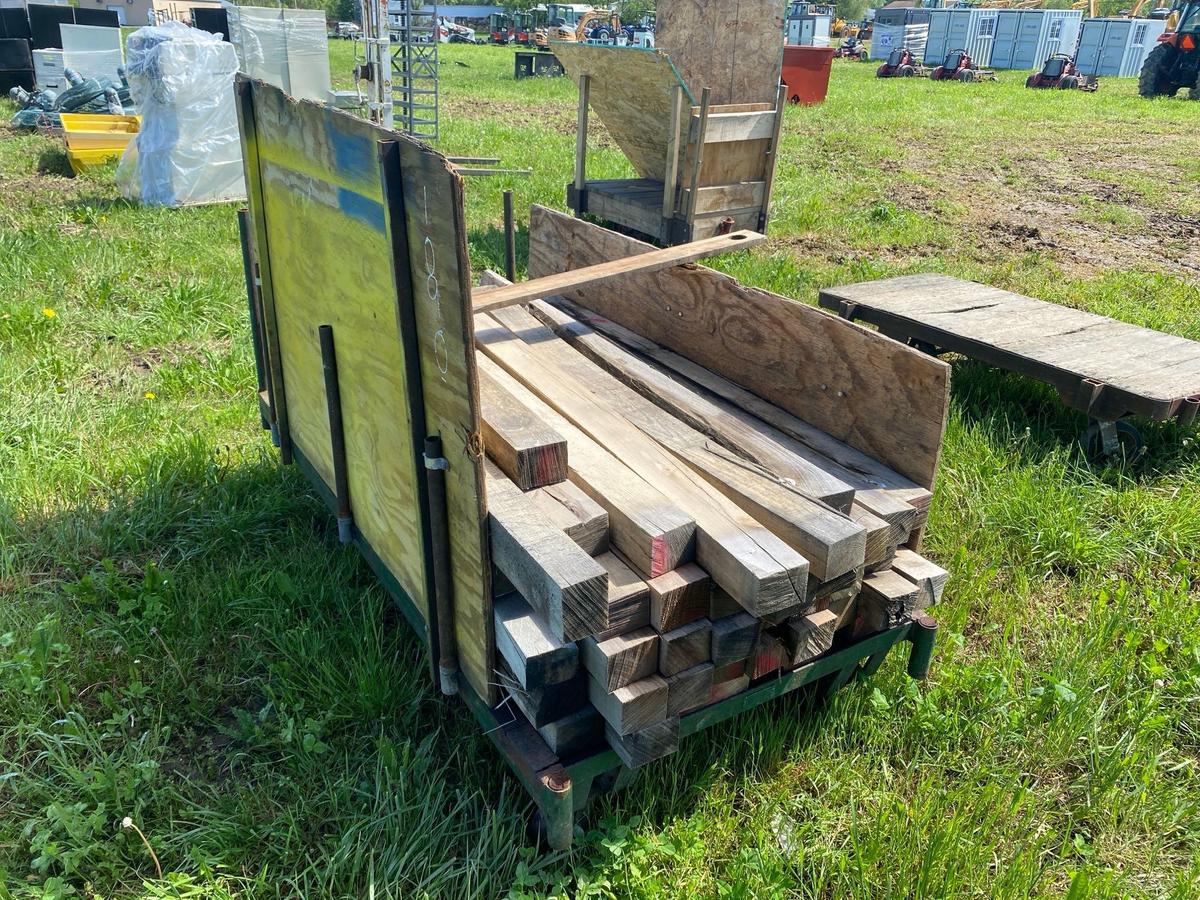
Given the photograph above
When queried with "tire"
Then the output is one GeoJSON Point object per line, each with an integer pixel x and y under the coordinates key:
{"type": "Point", "coordinates": [966, 76]}
{"type": "Point", "coordinates": [907, 71]}
{"type": "Point", "coordinates": [936, 74]}
{"type": "Point", "coordinates": [1152, 82]}
{"type": "Point", "coordinates": [1129, 439]}
{"type": "Point", "coordinates": [1068, 83]}
{"type": "Point", "coordinates": [1194, 93]}
{"type": "Point", "coordinates": [1031, 81]}
{"type": "Point", "coordinates": [881, 72]}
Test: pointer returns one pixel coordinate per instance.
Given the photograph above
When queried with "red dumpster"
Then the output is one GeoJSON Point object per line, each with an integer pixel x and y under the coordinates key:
{"type": "Point", "coordinates": [806, 73]}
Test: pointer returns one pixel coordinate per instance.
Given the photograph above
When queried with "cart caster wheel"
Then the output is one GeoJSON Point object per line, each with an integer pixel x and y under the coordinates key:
{"type": "Point", "coordinates": [1126, 441]}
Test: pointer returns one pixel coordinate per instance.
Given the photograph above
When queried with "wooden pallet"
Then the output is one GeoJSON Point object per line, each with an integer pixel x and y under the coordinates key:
{"type": "Point", "coordinates": [1099, 366]}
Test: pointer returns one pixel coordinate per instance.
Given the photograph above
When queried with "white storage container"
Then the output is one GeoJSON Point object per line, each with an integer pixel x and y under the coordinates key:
{"type": "Point", "coordinates": [1116, 47]}
{"type": "Point", "coordinates": [1002, 38]}
{"type": "Point", "coordinates": [48, 70]}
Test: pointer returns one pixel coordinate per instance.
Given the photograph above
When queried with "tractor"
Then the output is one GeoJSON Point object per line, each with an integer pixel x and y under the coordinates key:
{"type": "Point", "coordinates": [1175, 62]}
{"type": "Point", "coordinates": [900, 64]}
{"type": "Point", "coordinates": [958, 64]}
{"type": "Point", "coordinates": [1058, 71]}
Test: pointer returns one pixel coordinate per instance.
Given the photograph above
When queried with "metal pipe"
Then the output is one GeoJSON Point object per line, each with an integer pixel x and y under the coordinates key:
{"type": "Point", "coordinates": [443, 586]}
{"type": "Point", "coordinates": [337, 438]}
{"type": "Point", "coordinates": [510, 239]}
{"type": "Point", "coordinates": [922, 634]}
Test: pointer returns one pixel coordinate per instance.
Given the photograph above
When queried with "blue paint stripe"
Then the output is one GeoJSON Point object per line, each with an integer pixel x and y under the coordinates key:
{"type": "Point", "coordinates": [365, 210]}
{"type": "Point", "coordinates": [353, 154]}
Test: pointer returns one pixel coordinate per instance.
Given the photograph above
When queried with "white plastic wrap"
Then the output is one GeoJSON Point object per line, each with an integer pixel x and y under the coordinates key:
{"type": "Point", "coordinates": [287, 48]}
{"type": "Point", "coordinates": [188, 150]}
{"type": "Point", "coordinates": [93, 52]}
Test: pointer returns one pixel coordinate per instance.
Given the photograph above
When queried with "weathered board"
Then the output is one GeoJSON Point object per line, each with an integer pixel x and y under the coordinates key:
{"type": "Point", "coordinates": [1099, 365]}
{"type": "Point", "coordinates": [880, 397]}
{"type": "Point", "coordinates": [362, 229]}
{"type": "Point", "coordinates": [732, 47]}
{"type": "Point", "coordinates": [631, 90]}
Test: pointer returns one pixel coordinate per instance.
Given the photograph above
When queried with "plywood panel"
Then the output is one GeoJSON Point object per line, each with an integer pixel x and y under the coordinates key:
{"type": "Point", "coordinates": [881, 397]}
{"type": "Point", "coordinates": [732, 47]}
{"type": "Point", "coordinates": [630, 91]}
{"type": "Point", "coordinates": [336, 234]}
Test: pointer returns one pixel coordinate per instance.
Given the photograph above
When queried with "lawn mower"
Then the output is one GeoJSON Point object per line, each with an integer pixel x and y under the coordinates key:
{"type": "Point", "coordinates": [899, 64]}
{"type": "Point", "coordinates": [1058, 71]}
{"type": "Point", "coordinates": [958, 64]}
{"type": "Point", "coordinates": [851, 48]}
{"type": "Point", "coordinates": [1175, 62]}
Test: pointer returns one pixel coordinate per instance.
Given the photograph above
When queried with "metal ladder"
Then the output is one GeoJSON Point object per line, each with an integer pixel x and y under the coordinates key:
{"type": "Point", "coordinates": [414, 67]}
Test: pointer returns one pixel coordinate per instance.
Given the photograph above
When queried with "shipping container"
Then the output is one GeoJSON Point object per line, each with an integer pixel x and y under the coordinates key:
{"type": "Point", "coordinates": [1002, 38]}
{"type": "Point", "coordinates": [1116, 47]}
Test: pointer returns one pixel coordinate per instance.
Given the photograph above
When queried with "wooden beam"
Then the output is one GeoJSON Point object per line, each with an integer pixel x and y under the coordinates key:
{"type": "Point", "coordinates": [649, 530]}
{"type": "Point", "coordinates": [929, 577]}
{"type": "Point", "coordinates": [733, 638]}
{"type": "Point", "coordinates": [603, 273]}
{"type": "Point", "coordinates": [631, 707]}
{"type": "Point", "coordinates": [887, 600]}
{"type": "Point", "coordinates": [626, 658]}
{"type": "Point", "coordinates": [565, 586]}
{"type": "Point", "coordinates": [535, 657]}
{"type": "Point", "coordinates": [719, 421]}
{"type": "Point", "coordinates": [526, 449]}
{"type": "Point", "coordinates": [678, 597]}
{"type": "Point", "coordinates": [671, 179]}
{"type": "Point", "coordinates": [759, 570]}
{"type": "Point", "coordinates": [544, 704]}
{"type": "Point", "coordinates": [689, 689]}
{"type": "Point", "coordinates": [574, 735]}
{"type": "Point", "coordinates": [581, 518]}
{"type": "Point", "coordinates": [723, 690]}
{"type": "Point", "coordinates": [744, 422]}
{"type": "Point", "coordinates": [879, 547]}
{"type": "Point", "coordinates": [686, 646]}
{"type": "Point", "coordinates": [641, 747]}
{"type": "Point", "coordinates": [628, 597]}
{"type": "Point", "coordinates": [887, 400]}
{"type": "Point", "coordinates": [696, 135]}
{"type": "Point", "coordinates": [769, 656]}
{"type": "Point", "coordinates": [811, 635]}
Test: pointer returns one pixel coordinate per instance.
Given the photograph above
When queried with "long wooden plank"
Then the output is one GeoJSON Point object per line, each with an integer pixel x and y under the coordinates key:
{"type": "Point", "coordinates": [706, 418]}
{"type": "Point", "coordinates": [565, 586]}
{"type": "Point", "coordinates": [602, 273]}
{"type": "Point", "coordinates": [831, 542]}
{"type": "Point", "coordinates": [759, 570]}
{"type": "Point", "coordinates": [622, 659]}
{"type": "Point", "coordinates": [525, 448]}
{"type": "Point", "coordinates": [884, 399]}
{"type": "Point", "coordinates": [744, 422]}
{"type": "Point", "coordinates": [628, 598]}
{"type": "Point", "coordinates": [652, 532]}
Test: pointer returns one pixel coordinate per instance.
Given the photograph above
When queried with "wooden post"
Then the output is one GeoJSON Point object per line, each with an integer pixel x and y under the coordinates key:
{"type": "Point", "coordinates": [697, 158]}
{"type": "Point", "coordinates": [581, 125]}
{"type": "Point", "coordinates": [671, 178]}
{"type": "Point", "coordinates": [510, 239]}
{"type": "Point", "coordinates": [773, 160]}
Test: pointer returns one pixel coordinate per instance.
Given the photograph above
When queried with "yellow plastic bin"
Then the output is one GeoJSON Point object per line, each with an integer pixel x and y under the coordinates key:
{"type": "Point", "coordinates": [92, 156]}
{"type": "Point", "coordinates": [90, 131]}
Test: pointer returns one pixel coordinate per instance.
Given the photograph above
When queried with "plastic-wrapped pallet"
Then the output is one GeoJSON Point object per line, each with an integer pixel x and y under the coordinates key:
{"type": "Point", "coordinates": [288, 48]}
{"type": "Point", "coordinates": [886, 38]}
{"type": "Point", "coordinates": [189, 149]}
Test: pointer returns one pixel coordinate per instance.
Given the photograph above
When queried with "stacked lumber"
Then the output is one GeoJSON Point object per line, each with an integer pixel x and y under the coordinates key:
{"type": "Point", "coordinates": [663, 539]}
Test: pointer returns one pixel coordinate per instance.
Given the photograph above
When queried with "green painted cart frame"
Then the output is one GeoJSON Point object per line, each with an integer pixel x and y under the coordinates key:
{"type": "Point", "coordinates": [561, 788]}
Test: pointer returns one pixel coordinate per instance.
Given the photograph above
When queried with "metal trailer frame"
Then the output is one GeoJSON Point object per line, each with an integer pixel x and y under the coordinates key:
{"type": "Point", "coordinates": [559, 788]}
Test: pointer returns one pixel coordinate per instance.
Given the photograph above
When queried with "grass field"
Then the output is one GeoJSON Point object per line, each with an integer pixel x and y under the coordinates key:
{"type": "Point", "coordinates": [184, 643]}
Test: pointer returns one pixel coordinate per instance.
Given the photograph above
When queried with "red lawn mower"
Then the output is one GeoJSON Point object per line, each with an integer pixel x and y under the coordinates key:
{"type": "Point", "coordinates": [899, 64]}
{"type": "Point", "coordinates": [1058, 71]}
{"type": "Point", "coordinates": [958, 65]}
{"type": "Point", "coordinates": [851, 48]}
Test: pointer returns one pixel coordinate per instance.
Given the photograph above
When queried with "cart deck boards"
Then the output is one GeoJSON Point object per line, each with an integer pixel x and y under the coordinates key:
{"type": "Point", "coordinates": [1103, 367]}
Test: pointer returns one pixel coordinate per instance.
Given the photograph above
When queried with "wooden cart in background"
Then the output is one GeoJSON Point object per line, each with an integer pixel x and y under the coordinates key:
{"type": "Point", "coordinates": [360, 302]}
{"type": "Point", "coordinates": [698, 117]}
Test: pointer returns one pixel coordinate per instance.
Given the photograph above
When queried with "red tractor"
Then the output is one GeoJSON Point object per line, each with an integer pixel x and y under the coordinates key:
{"type": "Point", "coordinates": [958, 64]}
{"type": "Point", "coordinates": [1175, 62]}
{"type": "Point", "coordinates": [899, 64]}
{"type": "Point", "coordinates": [1058, 71]}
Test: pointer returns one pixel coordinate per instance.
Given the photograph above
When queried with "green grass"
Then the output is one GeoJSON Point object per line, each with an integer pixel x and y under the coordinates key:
{"type": "Point", "coordinates": [183, 642]}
